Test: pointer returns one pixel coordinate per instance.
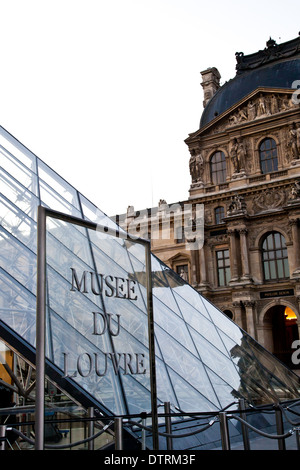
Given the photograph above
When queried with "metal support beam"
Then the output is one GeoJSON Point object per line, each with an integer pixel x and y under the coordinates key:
{"type": "Point", "coordinates": [2, 437]}
{"type": "Point", "coordinates": [118, 434]}
{"type": "Point", "coordinates": [91, 444]}
{"type": "Point", "coordinates": [167, 409]}
{"type": "Point", "coordinates": [245, 433]}
{"type": "Point", "coordinates": [40, 329]}
{"type": "Point", "coordinates": [280, 428]}
{"type": "Point", "coordinates": [151, 348]}
{"type": "Point", "coordinates": [224, 431]}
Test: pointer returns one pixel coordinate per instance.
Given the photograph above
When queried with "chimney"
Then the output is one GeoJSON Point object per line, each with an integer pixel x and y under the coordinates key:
{"type": "Point", "coordinates": [210, 83]}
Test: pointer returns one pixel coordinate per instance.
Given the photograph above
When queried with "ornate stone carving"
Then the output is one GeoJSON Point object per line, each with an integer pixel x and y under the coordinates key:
{"type": "Point", "coordinates": [238, 155]}
{"type": "Point", "coordinates": [196, 166]}
{"type": "Point", "coordinates": [271, 53]}
{"type": "Point", "coordinates": [237, 206]}
{"type": "Point", "coordinates": [294, 141]}
{"type": "Point", "coordinates": [294, 193]}
{"type": "Point", "coordinates": [262, 106]}
{"type": "Point", "coordinates": [249, 303]}
{"type": "Point", "coordinates": [207, 217]}
{"type": "Point", "coordinates": [268, 200]}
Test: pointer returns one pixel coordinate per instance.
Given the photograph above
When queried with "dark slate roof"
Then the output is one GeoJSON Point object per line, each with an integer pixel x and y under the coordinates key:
{"type": "Point", "coordinates": [280, 74]}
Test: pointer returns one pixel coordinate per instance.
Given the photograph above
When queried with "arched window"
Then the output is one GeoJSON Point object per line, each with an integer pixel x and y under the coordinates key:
{"type": "Point", "coordinates": [268, 156]}
{"type": "Point", "coordinates": [219, 215]}
{"type": "Point", "coordinates": [218, 168]}
{"type": "Point", "coordinates": [274, 257]}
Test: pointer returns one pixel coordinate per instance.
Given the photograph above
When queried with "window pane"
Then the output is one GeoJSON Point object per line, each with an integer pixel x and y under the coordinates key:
{"type": "Point", "coordinates": [223, 268]}
{"type": "Point", "coordinates": [268, 156]}
{"type": "Point", "coordinates": [219, 215]}
{"type": "Point", "coordinates": [218, 168]}
{"type": "Point", "coordinates": [275, 258]}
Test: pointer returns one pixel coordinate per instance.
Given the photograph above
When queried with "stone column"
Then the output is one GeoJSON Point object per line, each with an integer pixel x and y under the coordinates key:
{"type": "Point", "coordinates": [237, 313]}
{"type": "Point", "coordinates": [233, 256]}
{"type": "Point", "coordinates": [250, 317]}
{"type": "Point", "coordinates": [193, 280]}
{"type": "Point", "coordinates": [203, 276]}
{"type": "Point", "coordinates": [295, 236]}
{"type": "Point", "coordinates": [244, 254]}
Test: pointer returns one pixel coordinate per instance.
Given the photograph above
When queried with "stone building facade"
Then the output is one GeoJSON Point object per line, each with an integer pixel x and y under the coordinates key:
{"type": "Point", "coordinates": [244, 198]}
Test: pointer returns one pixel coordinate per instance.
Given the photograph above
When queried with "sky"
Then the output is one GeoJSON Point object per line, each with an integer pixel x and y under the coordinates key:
{"type": "Point", "coordinates": [106, 91]}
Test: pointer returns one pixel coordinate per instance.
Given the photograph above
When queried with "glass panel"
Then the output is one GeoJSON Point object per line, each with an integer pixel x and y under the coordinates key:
{"type": "Point", "coordinates": [216, 361]}
{"type": "Point", "coordinates": [17, 307]}
{"type": "Point", "coordinates": [185, 364]}
{"type": "Point", "coordinates": [18, 172]}
{"type": "Point", "coordinates": [173, 325]}
{"type": "Point", "coordinates": [105, 332]}
{"type": "Point", "coordinates": [55, 201]}
{"type": "Point", "coordinates": [18, 261]}
{"type": "Point", "coordinates": [57, 184]}
{"type": "Point", "coordinates": [18, 224]}
{"type": "Point", "coordinates": [189, 398]}
{"type": "Point", "coordinates": [13, 147]}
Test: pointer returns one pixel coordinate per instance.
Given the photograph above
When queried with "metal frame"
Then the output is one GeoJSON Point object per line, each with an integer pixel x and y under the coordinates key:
{"type": "Point", "coordinates": [43, 213]}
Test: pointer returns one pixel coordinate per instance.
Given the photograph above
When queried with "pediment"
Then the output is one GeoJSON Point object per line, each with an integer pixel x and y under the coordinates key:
{"type": "Point", "coordinates": [178, 257]}
{"type": "Point", "coordinates": [259, 104]}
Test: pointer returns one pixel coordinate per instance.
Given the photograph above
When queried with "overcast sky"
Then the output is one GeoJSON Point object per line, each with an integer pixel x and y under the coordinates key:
{"type": "Point", "coordinates": [105, 92]}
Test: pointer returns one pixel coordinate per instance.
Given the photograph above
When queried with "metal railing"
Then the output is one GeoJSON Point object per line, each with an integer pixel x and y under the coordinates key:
{"type": "Point", "coordinates": [136, 426]}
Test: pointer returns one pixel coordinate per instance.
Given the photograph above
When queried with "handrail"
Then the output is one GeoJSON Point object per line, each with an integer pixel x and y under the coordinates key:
{"type": "Point", "coordinates": [221, 416]}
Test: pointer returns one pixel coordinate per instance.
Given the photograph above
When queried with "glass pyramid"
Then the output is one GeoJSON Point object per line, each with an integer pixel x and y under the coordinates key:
{"type": "Point", "coordinates": [204, 361]}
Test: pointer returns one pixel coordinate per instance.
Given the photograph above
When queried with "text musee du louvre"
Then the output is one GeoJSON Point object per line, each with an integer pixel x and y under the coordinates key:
{"type": "Point", "coordinates": [98, 363]}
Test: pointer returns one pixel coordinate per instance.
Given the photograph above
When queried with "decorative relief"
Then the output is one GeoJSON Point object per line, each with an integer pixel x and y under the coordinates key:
{"type": "Point", "coordinates": [237, 206]}
{"type": "Point", "coordinates": [208, 217]}
{"type": "Point", "coordinates": [263, 106]}
{"type": "Point", "coordinates": [294, 192]}
{"type": "Point", "coordinates": [255, 108]}
{"type": "Point", "coordinates": [268, 199]}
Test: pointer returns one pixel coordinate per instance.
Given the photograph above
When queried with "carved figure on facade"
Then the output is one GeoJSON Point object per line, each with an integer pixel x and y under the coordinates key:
{"type": "Point", "coordinates": [208, 216]}
{"type": "Point", "coordinates": [262, 106]}
{"type": "Point", "coordinates": [162, 203]}
{"type": "Point", "coordinates": [251, 107]}
{"type": "Point", "coordinates": [238, 155]}
{"type": "Point", "coordinates": [274, 104]}
{"type": "Point", "coordinates": [237, 205]}
{"type": "Point", "coordinates": [196, 166]}
{"type": "Point", "coordinates": [285, 103]}
{"type": "Point", "coordinates": [294, 141]}
{"type": "Point", "coordinates": [294, 191]}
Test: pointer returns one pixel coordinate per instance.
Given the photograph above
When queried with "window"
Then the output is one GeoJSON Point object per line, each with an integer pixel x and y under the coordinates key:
{"type": "Point", "coordinates": [179, 234]}
{"type": "Point", "coordinates": [274, 256]}
{"type": "Point", "coordinates": [268, 156]}
{"type": "Point", "coordinates": [219, 215]}
{"type": "Point", "coordinates": [183, 271]}
{"type": "Point", "coordinates": [223, 267]}
{"type": "Point", "coordinates": [218, 168]}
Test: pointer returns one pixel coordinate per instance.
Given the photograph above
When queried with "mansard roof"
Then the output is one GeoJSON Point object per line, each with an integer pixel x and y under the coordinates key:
{"type": "Point", "coordinates": [277, 66]}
